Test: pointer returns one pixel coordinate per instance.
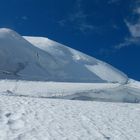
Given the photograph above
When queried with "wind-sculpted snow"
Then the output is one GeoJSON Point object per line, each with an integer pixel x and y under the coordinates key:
{"type": "Point", "coordinates": [37, 58]}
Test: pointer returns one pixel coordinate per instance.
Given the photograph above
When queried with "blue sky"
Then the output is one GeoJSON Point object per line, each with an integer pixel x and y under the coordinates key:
{"type": "Point", "coordinates": [106, 29]}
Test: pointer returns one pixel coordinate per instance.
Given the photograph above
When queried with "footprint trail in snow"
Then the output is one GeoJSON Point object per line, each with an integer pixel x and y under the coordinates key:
{"type": "Point", "coordinates": [23, 118]}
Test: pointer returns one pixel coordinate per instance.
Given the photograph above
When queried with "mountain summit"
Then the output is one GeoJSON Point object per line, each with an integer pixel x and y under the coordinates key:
{"type": "Point", "coordinates": [39, 58]}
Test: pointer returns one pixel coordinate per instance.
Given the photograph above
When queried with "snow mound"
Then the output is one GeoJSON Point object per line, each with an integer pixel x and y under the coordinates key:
{"type": "Point", "coordinates": [38, 58]}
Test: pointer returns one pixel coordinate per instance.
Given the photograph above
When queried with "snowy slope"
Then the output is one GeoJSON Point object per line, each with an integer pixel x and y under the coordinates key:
{"type": "Point", "coordinates": [24, 118]}
{"type": "Point", "coordinates": [37, 74]}
{"type": "Point", "coordinates": [66, 55]}
{"type": "Point", "coordinates": [17, 55]}
{"type": "Point", "coordinates": [75, 75]}
{"type": "Point", "coordinates": [36, 58]}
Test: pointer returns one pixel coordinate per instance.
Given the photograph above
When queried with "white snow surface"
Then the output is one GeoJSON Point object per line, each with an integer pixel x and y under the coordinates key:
{"type": "Point", "coordinates": [108, 92]}
{"type": "Point", "coordinates": [26, 113]}
{"type": "Point", "coordinates": [23, 118]}
{"type": "Point", "coordinates": [66, 55]}
{"type": "Point", "coordinates": [49, 91]}
{"type": "Point", "coordinates": [38, 58]}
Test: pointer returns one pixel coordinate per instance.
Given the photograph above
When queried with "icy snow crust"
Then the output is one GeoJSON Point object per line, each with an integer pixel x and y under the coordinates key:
{"type": "Point", "coordinates": [37, 58]}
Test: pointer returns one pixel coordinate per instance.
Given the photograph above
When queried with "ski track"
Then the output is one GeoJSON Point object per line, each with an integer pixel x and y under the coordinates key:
{"type": "Point", "coordinates": [23, 118]}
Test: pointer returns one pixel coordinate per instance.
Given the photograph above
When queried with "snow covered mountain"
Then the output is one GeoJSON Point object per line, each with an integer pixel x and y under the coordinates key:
{"type": "Point", "coordinates": [40, 67]}
{"type": "Point", "coordinates": [38, 58]}
{"type": "Point", "coordinates": [35, 70]}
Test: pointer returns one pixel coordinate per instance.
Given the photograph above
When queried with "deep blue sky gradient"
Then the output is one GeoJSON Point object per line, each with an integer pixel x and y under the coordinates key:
{"type": "Point", "coordinates": [95, 27]}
